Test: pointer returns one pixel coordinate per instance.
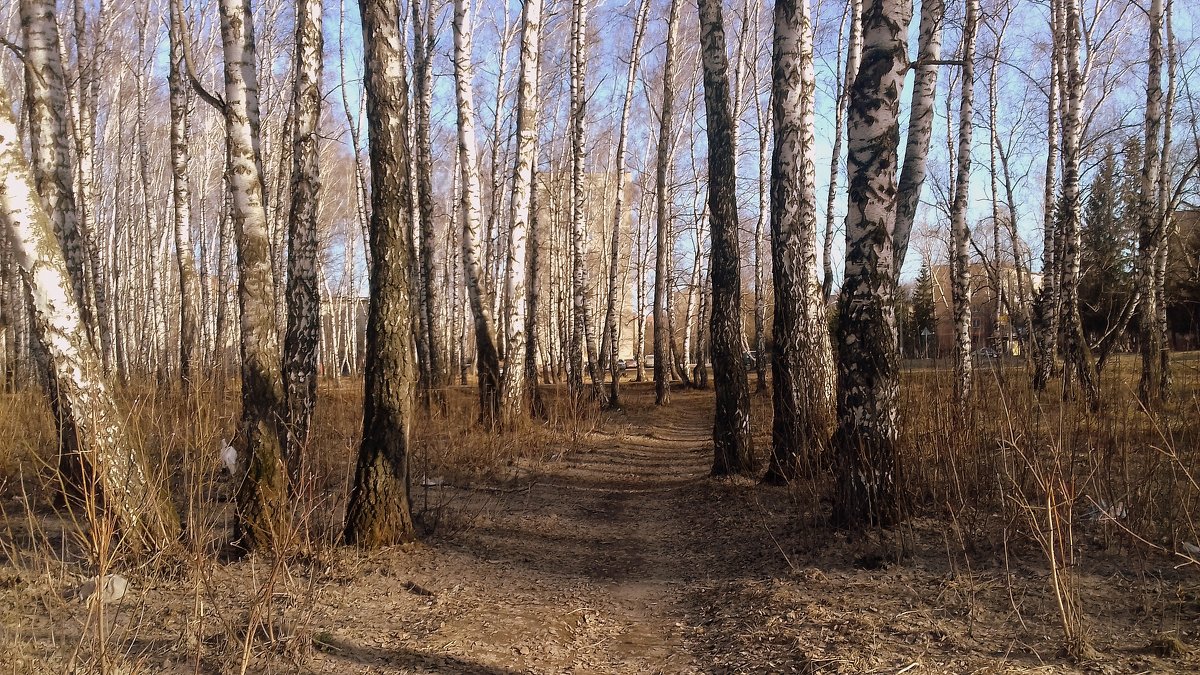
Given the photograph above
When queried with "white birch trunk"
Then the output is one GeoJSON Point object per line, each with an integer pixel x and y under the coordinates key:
{"type": "Point", "coordinates": [262, 492]}
{"type": "Point", "coordinates": [960, 234]}
{"type": "Point", "coordinates": [920, 127]}
{"type": "Point", "coordinates": [114, 473]}
{"type": "Point", "coordinates": [49, 136]}
{"type": "Point", "coordinates": [582, 339]}
{"type": "Point", "coordinates": [488, 361]}
{"type": "Point", "coordinates": [512, 392]}
{"type": "Point", "coordinates": [1150, 235]}
{"type": "Point", "coordinates": [662, 258]}
{"type": "Point", "coordinates": [802, 361]}
{"type": "Point", "coordinates": [868, 471]}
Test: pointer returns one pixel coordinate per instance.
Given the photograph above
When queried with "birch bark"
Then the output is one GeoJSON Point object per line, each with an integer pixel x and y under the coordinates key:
{"type": "Point", "coordinates": [1075, 346]}
{"type": "Point", "coordinates": [115, 475]}
{"type": "Point", "coordinates": [180, 105]}
{"type": "Point", "coordinates": [960, 234]}
{"type": "Point", "coordinates": [802, 359]}
{"type": "Point", "coordinates": [302, 337]}
{"type": "Point", "coordinates": [379, 511]}
{"type": "Point", "coordinates": [867, 468]}
{"type": "Point", "coordinates": [262, 492]}
{"type": "Point", "coordinates": [512, 391]}
{"type": "Point", "coordinates": [732, 443]}
{"type": "Point", "coordinates": [582, 339]}
{"type": "Point", "coordinates": [488, 360]}
{"type": "Point", "coordinates": [920, 127]}
{"type": "Point", "coordinates": [662, 255]}
{"type": "Point", "coordinates": [1150, 231]}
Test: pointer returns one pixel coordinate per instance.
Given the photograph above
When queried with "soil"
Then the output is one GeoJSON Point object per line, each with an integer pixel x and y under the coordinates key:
{"type": "Point", "coordinates": [620, 555]}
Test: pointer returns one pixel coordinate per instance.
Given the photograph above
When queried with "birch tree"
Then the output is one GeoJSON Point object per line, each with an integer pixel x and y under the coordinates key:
{"type": "Point", "coordinates": [1150, 230]}
{"type": "Point", "coordinates": [49, 141]}
{"type": "Point", "coordinates": [115, 475]}
{"type": "Point", "coordinates": [1075, 346]}
{"type": "Point", "coordinates": [434, 371]}
{"type": "Point", "coordinates": [868, 471]}
{"type": "Point", "coordinates": [662, 251]}
{"type": "Point", "coordinates": [802, 360]}
{"type": "Point", "coordinates": [180, 104]}
{"type": "Point", "coordinates": [1046, 305]}
{"type": "Point", "coordinates": [512, 398]}
{"type": "Point", "coordinates": [732, 443]}
{"type": "Point", "coordinates": [487, 358]}
{"type": "Point", "coordinates": [611, 320]}
{"type": "Point", "coordinates": [583, 342]}
{"type": "Point", "coordinates": [262, 490]}
{"type": "Point", "coordinates": [302, 338]}
{"type": "Point", "coordinates": [920, 127]}
{"type": "Point", "coordinates": [379, 512]}
{"type": "Point", "coordinates": [960, 235]}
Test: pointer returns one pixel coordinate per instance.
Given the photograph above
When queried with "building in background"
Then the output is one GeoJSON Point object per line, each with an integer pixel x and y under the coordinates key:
{"type": "Point", "coordinates": [998, 315]}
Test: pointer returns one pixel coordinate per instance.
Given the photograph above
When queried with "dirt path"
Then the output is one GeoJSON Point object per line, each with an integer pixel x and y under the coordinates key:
{"type": "Point", "coordinates": [619, 554]}
{"type": "Point", "coordinates": [588, 570]}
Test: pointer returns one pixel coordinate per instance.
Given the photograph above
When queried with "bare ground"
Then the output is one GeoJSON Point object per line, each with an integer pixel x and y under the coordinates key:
{"type": "Point", "coordinates": [621, 555]}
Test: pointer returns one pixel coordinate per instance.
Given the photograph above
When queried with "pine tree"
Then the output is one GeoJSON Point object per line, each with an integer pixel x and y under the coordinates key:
{"type": "Point", "coordinates": [923, 321]}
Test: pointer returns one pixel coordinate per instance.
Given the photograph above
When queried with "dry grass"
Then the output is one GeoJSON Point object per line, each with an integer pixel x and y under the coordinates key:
{"type": "Point", "coordinates": [1019, 495]}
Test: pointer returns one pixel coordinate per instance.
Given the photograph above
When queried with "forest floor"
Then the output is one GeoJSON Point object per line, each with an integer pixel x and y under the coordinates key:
{"type": "Point", "coordinates": [619, 554]}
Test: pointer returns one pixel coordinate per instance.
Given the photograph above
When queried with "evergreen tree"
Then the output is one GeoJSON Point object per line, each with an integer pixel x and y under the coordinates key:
{"type": "Point", "coordinates": [1109, 222]}
{"type": "Point", "coordinates": [922, 321]}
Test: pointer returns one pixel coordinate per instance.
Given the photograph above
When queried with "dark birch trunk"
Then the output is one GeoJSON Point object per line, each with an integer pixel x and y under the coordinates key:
{"type": "Point", "coordinates": [732, 443]}
{"type": "Point", "coordinates": [303, 335]}
{"type": "Point", "coordinates": [379, 511]}
{"type": "Point", "coordinates": [662, 255]}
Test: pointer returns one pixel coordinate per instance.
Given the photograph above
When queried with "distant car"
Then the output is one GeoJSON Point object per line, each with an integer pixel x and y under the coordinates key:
{"type": "Point", "coordinates": [750, 359]}
{"type": "Point", "coordinates": [622, 365]}
{"type": "Point", "coordinates": [986, 353]}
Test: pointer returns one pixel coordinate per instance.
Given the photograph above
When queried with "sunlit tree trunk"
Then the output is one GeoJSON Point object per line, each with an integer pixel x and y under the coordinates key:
{"type": "Point", "coordinates": [261, 505]}
{"type": "Point", "coordinates": [1150, 234]}
{"type": "Point", "coordinates": [868, 470]}
{"type": "Point", "coordinates": [732, 443]}
{"type": "Point", "coordinates": [512, 391]}
{"type": "Point", "coordinates": [488, 361]}
{"type": "Point", "coordinates": [802, 360]}
{"type": "Point", "coordinates": [180, 105]}
{"type": "Point", "coordinates": [853, 57]}
{"type": "Point", "coordinates": [302, 337]}
{"type": "Point", "coordinates": [960, 234]}
{"type": "Point", "coordinates": [49, 138]}
{"type": "Point", "coordinates": [434, 371]}
{"type": "Point", "coordinates": [87, 200]}
{"type": "Point", "coordinates": [115, 476]}
{"type": "Point", "coordinates": [1047, 303]}
{"type": "Point", "coordinates": [537, 406]}
{"type": "Point", "coordinates": [662, 255]}
{"type": "Point", "coordinates": [1166, 208]}
{"type": "Point", "coordinates": [583, 342]}
{"type": "Point", "coordinates": [920, 127]}
{"type": "Point", "coordinates": [379, 511]}
{"type": "Point", "coordinates": [611, 320]}
{"type": "Point", "coordinates": [1075, 346]}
